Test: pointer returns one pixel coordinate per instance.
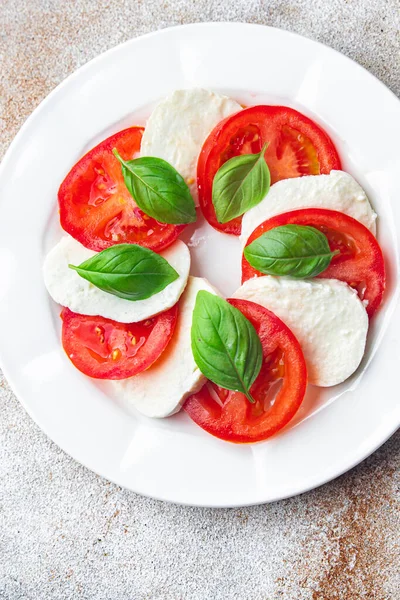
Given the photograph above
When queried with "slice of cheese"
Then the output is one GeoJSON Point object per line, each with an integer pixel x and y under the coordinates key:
{"type": "Point", "coordinates": [326, 316]}
{"type": "Point", "coordinates": [180, 124]}
{"type": "Point", "coordinates": [162, 389]}
{"type": "Point", "coordinates": [69, 289]}
{"type": "Point", "coordinates": [336, 191]}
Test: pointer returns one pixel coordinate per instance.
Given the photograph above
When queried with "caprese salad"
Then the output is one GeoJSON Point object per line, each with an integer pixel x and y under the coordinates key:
{"type": "Point", "coordinates": [313, 273]}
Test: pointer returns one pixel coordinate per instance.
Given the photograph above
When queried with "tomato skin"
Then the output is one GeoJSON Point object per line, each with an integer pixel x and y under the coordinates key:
{"type": "Point", "coordinates": [238, 420]}
{"type": "Point", "coordinates": [297, 146]}
{"type": "Point", "coordinates": [96, 207]}
{"type": "Point", "coordinates": [360, 260]}
{"type": "Point", "coordinates": [92, 342]}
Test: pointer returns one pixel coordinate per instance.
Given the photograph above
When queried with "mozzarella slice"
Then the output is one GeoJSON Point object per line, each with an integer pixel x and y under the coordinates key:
{"type": "Point", "coordinates": [179, 126]}
{"type": "Point", "coordinates": [326, 316]}
{"type": "Point", "coordinates": [67, 288]}
{"type": "Point", "coordinates": [162, 389]}
{"type": "Point", "coordinates": [336, 191]}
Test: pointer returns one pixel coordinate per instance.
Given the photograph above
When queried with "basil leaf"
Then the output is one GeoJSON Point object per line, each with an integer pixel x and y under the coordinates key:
{"type": "Point", "coordinates": [295, 250]}
{"type": "Point", "coordinates": [241, 183]}
{"type": "Point", "coordinates": [158, 189]}
{"type": "Point", "coordinates": [225, 345]}
{"type": "Point", "coordinates": [128, 271]}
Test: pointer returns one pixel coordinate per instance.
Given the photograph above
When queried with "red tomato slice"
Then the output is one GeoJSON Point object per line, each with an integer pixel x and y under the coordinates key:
{"type": "Point", "coordinates": [106, 349]}
{"type": "Point", "coordinates": [360, 262]}
{"type": "Point", "coordinates": [297, 146]}
{"type": "Point", "coordinates": [229, 415]}
{"type": "Point", "coordinates": [96, 207]}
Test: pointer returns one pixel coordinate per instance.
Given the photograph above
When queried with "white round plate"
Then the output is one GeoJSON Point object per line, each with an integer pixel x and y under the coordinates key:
{"type": "Point", "coordinates": [173, 459]}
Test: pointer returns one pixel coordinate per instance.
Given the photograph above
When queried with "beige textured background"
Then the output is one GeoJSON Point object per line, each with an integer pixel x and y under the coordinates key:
{"type": "Point", "coordinates": [66, 533]}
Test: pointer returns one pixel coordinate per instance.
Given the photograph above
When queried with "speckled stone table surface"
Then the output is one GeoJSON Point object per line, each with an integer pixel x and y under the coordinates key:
{"type": "Point", "coordinates": [67, 533]}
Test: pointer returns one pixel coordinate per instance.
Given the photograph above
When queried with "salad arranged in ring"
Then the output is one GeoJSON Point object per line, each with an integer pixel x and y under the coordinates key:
{"type": "Point", "coordinates": [313, 273]}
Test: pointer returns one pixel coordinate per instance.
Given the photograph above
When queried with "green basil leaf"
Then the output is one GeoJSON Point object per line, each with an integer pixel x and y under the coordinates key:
{"type": "Point", "coordinates": [241, 183]}
{"type": "Point", "coordinates": [128, 271]}
{"type": "Point", "coordinates": [294, 250]}
{"type": "Point", "coordinates": [225, 345]}
{"type": "Point", "coordinates": [158, 189]}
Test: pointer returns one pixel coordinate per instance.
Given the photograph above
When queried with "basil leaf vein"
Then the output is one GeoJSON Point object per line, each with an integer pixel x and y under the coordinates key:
{"type": "Point", "coordinates": [241, 183]}
{"type": "Point", "coordinates": [225, 345]}
{"type": "Point", "coordinates": [299, 251]}
{"type": "Point", "coordinates": [128, 271]}
{"type": "Point", "coordinates": [158, 189]}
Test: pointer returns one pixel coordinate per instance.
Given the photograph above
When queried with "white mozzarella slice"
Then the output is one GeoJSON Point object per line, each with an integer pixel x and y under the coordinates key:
{"type": "Point", "coordinates": [179, 126]}
{"type": "Point", "coordinates": [162, 389]}
{"type": "Point", "coordinates": [67, 288]}
{"type": "Point", "coordinates": [326, 316]}
{"type": "Point", "coordinates": [336, 191]}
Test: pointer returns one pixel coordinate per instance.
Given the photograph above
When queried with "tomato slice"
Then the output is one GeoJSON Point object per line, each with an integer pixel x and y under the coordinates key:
{"type": "Point", "coordinates": [296, 147]}
{"type": "Point", "coordinates": [96, 207]}
{"type": "Point", "coordinates": [229, 415]}
{"type": "Point", "coordinates": [360, 262]}
{"type": "Point", "coordinates": [106, 349]}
